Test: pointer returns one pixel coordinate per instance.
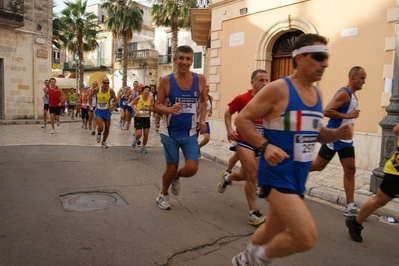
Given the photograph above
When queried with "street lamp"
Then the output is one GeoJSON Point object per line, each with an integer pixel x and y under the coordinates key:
{"type": "Point", "coordinates": [388, 139]}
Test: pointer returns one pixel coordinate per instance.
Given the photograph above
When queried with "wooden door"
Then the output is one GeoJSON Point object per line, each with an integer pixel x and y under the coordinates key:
{"type": "Point", "coordinates": [281, 66]}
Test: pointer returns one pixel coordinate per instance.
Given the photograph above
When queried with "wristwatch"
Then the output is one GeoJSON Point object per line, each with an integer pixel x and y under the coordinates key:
{"type": "Point", "coordinates": [262, 147]}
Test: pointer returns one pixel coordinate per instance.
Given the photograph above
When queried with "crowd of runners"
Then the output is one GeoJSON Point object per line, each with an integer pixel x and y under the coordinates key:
{"type": "Point", "coordinates": [276, 129]}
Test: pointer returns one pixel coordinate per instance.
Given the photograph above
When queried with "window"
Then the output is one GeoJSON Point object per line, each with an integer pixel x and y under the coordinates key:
{"type": "Point", "coordinates": [198, 60]}
{"type": "Point", "coordinates": [132, 46]}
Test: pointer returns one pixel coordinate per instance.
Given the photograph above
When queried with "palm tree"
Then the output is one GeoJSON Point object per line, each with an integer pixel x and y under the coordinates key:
{"type": "Point", "coordinates": [78, 31]}
{"type": "Point", "coordinates": [123, 18]}
{"type": "Point", "coordinates": [174, 14]}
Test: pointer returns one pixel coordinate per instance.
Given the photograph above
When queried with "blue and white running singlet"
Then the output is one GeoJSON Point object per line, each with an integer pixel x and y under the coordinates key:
{"type": "Point", "coordinates": [295, 132]}
{"type": "Point", "coordinates": [183, 124]}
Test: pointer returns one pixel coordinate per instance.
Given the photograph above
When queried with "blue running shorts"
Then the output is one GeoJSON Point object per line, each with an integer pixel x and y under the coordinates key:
{"type": "Point", "coordinates": [189, 146]}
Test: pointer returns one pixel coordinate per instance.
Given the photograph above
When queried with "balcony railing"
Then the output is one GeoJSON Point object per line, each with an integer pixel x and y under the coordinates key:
{"type": "Point", "coordinates": [199, 3]}
{"type": "Point", "coordinates": [138, 54]}
{"type": "Point", "coordinates": [164, 59]}
{"type": "Point", "coordinates": [12, 10]}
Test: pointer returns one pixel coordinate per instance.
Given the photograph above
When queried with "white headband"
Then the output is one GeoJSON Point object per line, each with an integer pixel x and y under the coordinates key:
{"type": "Point", "coordinates": [310, 49]}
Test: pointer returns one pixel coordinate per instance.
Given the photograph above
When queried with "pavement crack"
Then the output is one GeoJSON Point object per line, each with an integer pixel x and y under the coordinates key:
{"type": "Point", "coordinates": [203, 250]}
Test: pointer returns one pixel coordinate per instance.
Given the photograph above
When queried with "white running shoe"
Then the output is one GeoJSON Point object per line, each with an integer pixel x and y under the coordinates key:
{"type": "Point", "coordinates": [256, 218]}
{"type": "Point", "coordinates": [176, 186]}
{"type": "Point", "coordinates": [351, 211]}
{"type": "Point", "coordinates": [222, 185]}
{"type": "Point", "coordinates": [104, 144]}
{"type": "Point", "coordinates": [52, 131]}
{"type": "Point", "coordinates": [44, 126]}
{"type": "Point", "coordinates": [163, 202]}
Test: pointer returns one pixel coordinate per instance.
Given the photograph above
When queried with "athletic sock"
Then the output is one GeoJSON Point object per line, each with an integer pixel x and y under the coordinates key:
{"type": "Point", "coordinates": [260, 253]}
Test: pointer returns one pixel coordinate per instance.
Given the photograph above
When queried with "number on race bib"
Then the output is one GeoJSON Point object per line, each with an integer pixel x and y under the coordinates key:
{"type": "Point", "coordinates": [304, 147]}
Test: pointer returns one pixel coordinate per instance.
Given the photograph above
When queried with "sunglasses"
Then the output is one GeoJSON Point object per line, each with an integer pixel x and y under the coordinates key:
{"type": "Point", "coordinates": [105, 82]}
{"type": "Point", "coordinates": [319, 57]}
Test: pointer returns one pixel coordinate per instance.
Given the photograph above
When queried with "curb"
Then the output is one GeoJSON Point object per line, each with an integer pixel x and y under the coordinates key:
{"type": "Point", "coordinates": [331, 195]}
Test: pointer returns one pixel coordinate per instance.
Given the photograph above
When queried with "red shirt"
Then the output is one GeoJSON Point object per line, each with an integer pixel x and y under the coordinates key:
{"type": "Point", "coordinates": [54, 96]}
{"type": "Point", "coordinates": [237, 104]}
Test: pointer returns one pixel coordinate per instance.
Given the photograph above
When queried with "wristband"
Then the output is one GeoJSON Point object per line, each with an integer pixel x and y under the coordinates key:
{"type": "Point", "coordinates": [262, 147]}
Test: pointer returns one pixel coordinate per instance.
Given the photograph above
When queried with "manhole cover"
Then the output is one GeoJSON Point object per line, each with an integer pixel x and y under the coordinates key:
{"type": "Point", "coordinates": [90, 201]}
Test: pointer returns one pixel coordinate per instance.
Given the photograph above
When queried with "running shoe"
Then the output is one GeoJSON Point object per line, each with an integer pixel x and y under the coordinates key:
{"type": "Point", "coordinates": [127, 126]}
{"type": "Point", "coordinates": [58, 122]}
{"type": "Point", "coordinates": [256, 218]}
{"type": "Point", "coordinates": [120, 123]}
{"type": "Point", "coordinates": [144, 150]}
{"type": "Point", "coordinates": [351, 211]}
{"type": "Point", "coordinates": [248, 257]}
{"type": "Point", "coordinates": [163, 202]}
{"type": "Point", "coordinates": [72, 118]}
{"type": "Point", "coordinates": [93, 133]}
{"type": "Point", "coordinates": [138, 142]}
{"type": "Point", "coordinates": [354, 229]}
{"type": "Point", "coordinates": [52, 131]}
{"type": "Point", "coordinates": [175, 186]}
{"type": "Point", "coordinates": [222, 185]}
{"type": "Point", "coordinates": [86, 126]}
{"type": "Point", "coordinates": [98, 137]}
{"type": "Point", "coordinates": [104, 144]}
{"type": "Point", "coordinates": [44, 126]}
{"type": "Point", "coordinates": [134, 142]}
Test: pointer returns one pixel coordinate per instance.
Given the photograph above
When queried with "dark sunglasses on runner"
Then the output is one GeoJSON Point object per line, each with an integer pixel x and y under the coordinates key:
{"type": "Point", "coordinates": [319, 57]}
{"type": "Point", "coordinates": [105, 82]}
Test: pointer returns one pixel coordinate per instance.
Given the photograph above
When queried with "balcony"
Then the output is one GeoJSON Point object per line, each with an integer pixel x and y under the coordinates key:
{"type": "Point", "coordinates": [200, 18]}
{"type": "Point", "coordinates": [138, 58]}
{"type": "Point", "coordinates": [164, 59]}
{"type": "Point", "coordinates": [12, 13]}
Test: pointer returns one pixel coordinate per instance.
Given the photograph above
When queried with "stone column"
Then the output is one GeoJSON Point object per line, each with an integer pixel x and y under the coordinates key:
{"type": "Point", "coordinates": [388, 140]}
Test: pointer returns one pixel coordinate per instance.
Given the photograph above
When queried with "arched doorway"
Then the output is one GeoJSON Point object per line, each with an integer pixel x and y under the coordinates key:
{"type": "Point", "coordinates": [282, 54]}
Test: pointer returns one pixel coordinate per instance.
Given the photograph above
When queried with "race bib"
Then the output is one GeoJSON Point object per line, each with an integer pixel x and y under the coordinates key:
{"type": "Point", "coordinates": [304, 147]}
{"type": "Point", "coordinates": [189, 105]}
{"type": "Point", "coordinates": [72, 102]}
{"type": "Point", "coordinates": [144, 112]}
{"type": "Point", "coordinates": [102, 106]}
{"type": "Point", "coordinates": [259, 128]}
{"type": "Point", "coordinates": [85, 104]}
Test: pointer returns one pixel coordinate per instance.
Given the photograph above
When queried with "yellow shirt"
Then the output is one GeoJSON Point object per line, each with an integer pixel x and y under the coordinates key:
{"type": "Point", "coordinates": [103, 99]}
{"type": "Point", "coordinates": [392, 165]}
{"type": "Point", "coordinates": [143, 107]}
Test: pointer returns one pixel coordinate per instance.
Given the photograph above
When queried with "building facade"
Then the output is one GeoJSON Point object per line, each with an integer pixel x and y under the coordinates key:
{"type": "Point", "coordinates": [25, 56]}
{"type": "Point", "coordinates": [244, 35]}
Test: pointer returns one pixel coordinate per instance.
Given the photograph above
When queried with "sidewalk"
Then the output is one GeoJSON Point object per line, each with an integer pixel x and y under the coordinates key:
{"type": "Point", "coordinates": [326, 185]}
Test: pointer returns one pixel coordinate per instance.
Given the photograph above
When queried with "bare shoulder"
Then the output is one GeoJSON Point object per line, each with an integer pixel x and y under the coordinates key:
{"type": "Point", "coordinates": [275, 89]}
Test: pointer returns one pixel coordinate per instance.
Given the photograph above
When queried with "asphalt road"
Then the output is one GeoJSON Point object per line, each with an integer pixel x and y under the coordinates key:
{"type": "Point", "coordinates": [203, 227]}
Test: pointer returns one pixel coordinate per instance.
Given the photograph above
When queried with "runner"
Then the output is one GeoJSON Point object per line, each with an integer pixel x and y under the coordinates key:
{"type": "Point", "coordinates": [142, 107]}
{"type": "Point", "coordinates": [45, 99]}
{"type": "Point", "coordinates": [56, 100]}
{"type": "Point", "coordinates": [92, 116]}
{"type": "Point", "coordinates": [103, 110]}
{"type": "Point", "coordinates": [72, 101]}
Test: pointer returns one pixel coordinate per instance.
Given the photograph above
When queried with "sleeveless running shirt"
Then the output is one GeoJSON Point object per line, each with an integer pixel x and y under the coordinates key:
{"type": "Point", "coordinates": [346, 109]}
{"type": "Point", "coordinates": [143, 107]}
{"type": "Point", "coordinates": [295, 132]}
{"type": "Point", "coordinates": [183, 124]}
{"type": "Point", "coordinates": [103, 99]}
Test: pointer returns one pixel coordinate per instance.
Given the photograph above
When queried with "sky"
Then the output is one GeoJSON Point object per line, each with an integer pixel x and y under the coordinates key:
{"type": "Point", "coordinates": [60, 3]}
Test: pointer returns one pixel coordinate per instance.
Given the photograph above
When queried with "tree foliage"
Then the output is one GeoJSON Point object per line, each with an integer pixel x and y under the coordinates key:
{"type": "Point", "coordinates": [78, 30]}
{"type": "Point", "coordinates": [123, 17]}
{"type": "Point", "coordinates": [174, 14]}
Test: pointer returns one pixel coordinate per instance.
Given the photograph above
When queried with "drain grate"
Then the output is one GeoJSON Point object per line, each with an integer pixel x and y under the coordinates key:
{"type": "Point", "coordinates": [91, 201]}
